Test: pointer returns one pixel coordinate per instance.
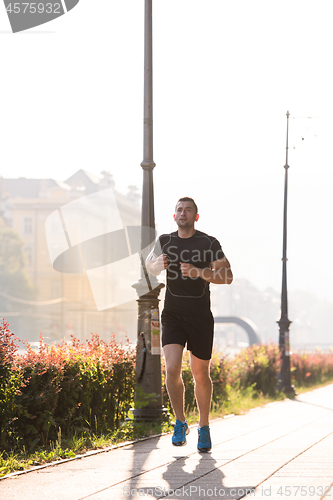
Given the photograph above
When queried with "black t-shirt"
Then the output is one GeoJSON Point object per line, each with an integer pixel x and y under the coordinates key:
{"type": "Point", "coordinates": [183, 294]}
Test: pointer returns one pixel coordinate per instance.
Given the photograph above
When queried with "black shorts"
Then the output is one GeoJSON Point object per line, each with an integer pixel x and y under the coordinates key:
{"type": "Point", "coordinates": [197, 331]}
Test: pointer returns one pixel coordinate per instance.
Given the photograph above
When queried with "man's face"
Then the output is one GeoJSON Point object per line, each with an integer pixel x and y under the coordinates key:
{"type": "Point", "coordinates": [185, 214]}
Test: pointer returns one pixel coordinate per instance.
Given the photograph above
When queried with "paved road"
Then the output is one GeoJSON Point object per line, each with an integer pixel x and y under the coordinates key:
{"type": "Point", "coordinates": [283, 450]}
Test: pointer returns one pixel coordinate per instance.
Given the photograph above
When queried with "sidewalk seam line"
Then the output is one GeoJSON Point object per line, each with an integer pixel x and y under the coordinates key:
{"type": "Point", "coordinates": [294, 458]}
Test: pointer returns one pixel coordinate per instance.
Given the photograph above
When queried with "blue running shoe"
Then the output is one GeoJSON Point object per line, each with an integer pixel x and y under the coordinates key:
{"type": "Point", "coordinates": [179, 433]}
{"type": "Point", "coordinates": [204, 441]}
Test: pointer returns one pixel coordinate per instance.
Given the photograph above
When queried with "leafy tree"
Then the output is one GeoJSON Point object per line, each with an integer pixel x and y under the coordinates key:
{"type": "Point", "coordinates": [14, 280]}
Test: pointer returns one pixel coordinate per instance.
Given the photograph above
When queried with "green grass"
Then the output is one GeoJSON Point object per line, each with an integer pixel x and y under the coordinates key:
{"type": "Point", "coordinates": [309, 387]}
{"type": "Point", "coordinates": [24, 460]}
{"type": "Point", "coordinates": [238, 403]}
{"type": "Point", "coordinates": [76, 445]}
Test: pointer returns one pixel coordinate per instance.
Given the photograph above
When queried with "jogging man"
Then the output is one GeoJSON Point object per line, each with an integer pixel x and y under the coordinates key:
{"type": "Point", "coordinates": [193, 260]}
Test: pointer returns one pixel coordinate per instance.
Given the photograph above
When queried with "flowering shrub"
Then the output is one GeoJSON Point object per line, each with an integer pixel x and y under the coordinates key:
{"type": "Point", "coordinates": [83, 386]}
{"type": "Point", "coordinates": [76, 386]}
{"type": "Point", "coordinates": [311, 368]}
{"type": "Point", "coordinates": [10, 381]}
{"type": "Point", "coordinates": [256, 366]}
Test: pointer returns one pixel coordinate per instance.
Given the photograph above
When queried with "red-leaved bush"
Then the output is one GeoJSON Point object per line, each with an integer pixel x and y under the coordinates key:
{"type": "Point", "coordinates": [311, 368]}
{"type": "Point", "coordinates": [75, 386]}
{"type": "Point", "coordinates": [256, 366]}
{"type": "Point", "coordinates": [10, 381]}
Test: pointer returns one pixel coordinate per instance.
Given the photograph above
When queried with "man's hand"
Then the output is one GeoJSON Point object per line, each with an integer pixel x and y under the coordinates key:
{"type": "Point", "coordinates": [161, 263]}
{"type": "Point", "coordinates": [220, 272]}
{"type": "Point", "coordinates": [158, 265]}
{"type": "Point", "coordinates": [189, 271]}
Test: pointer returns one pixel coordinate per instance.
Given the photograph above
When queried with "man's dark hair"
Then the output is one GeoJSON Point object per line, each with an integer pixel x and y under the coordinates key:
{"type": "Point", "coordinates": [187, 198]}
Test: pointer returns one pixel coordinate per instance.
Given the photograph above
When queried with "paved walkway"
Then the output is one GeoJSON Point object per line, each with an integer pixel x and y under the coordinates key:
{"type": "Point", "coordinates": [283, 450]}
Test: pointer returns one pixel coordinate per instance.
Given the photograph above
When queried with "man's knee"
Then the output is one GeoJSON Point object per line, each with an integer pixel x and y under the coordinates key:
{"type": "Point", "coordinates": [173, 354]}
{"type": "Point", "coordinates": [201, 376]}
{"type": "Point", "coordinates": [173, 372]}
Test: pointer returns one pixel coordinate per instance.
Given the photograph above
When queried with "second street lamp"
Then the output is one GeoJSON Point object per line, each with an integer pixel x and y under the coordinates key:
{"type": "Point", "coordinates": [284, 322]}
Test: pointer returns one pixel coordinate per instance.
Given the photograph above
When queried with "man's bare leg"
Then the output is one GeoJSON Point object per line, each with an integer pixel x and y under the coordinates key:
{"type": "Point", "coordinates": [203, 387]}
{"type": "Point", "coordinates": [173, 354]}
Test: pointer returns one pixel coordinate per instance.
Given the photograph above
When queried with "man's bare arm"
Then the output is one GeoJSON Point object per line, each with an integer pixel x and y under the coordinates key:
{"type": "Point", "coordinates": [220, 272]}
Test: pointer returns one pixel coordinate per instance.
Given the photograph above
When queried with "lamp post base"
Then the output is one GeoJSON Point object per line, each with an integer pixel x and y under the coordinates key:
{"type": "Point", "coordinates": [289, 390]}
{"type": "Point", "coordinates": [284, 380]}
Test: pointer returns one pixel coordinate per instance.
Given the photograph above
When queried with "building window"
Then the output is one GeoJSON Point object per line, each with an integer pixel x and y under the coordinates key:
{"type": "Point", "coordinates": [27, 225]}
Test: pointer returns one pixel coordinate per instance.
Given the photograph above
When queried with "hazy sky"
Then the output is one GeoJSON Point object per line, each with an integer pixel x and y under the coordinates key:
{"type": "Point", "coordinates": [225, 74]}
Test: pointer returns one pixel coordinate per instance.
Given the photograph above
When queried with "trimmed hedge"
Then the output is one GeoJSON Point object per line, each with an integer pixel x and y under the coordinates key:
{"type": "Point", "coordinates": [76, 386]}
{"type": "Point", "coordinates": [308, 369]}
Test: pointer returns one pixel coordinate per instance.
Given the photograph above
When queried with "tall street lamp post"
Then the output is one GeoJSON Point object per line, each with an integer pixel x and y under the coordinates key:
{"type": "Point", "coordinates": [148, 359]}
{"type": "Point", "coordinates": [284, 322]}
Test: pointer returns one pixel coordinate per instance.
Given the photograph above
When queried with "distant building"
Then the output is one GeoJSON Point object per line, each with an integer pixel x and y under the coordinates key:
{"type": "Point", "coordinates": [64, 304]}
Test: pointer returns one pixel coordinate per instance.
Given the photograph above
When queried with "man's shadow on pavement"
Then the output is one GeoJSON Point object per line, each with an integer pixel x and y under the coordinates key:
{"type": "Point", "coordinates": [184, 481]}
{"type": "Point", "coordinates": [196, 476]}
{"type": "Point", "coordinates": [178, 477]}
{"type": "Point", "coordinates": [204, 481]}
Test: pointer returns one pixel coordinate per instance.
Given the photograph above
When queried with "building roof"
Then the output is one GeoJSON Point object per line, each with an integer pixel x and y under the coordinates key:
{"type": "Point", "coordinates": [80, 183]}
{"type": "Point", "coordinates": [82, 178]}
{"type": "Point", "coordinates": [33, 188]}
{"type": "Point", "coordinates": [26, 188]}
